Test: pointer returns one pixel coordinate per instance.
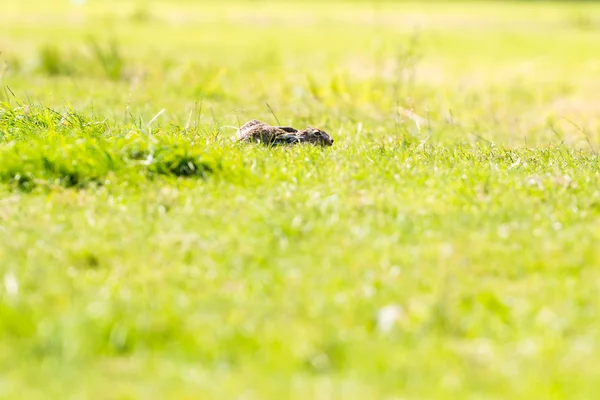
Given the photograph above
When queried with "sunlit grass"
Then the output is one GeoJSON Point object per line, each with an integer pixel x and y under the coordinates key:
{"type": "Point", "coordinates": [445, 247]}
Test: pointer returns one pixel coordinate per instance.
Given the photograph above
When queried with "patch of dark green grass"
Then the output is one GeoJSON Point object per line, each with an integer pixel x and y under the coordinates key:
{"type": "Point", "coordinates": [86, 162]}
{"type": "Point", "coordinates": [178, 161]}
{"type": "Point", "coordinates": [41, 146]}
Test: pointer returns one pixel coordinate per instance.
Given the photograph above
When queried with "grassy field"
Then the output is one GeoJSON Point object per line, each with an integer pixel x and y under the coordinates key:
{"type": "Point", "coordinates": [447, 245]}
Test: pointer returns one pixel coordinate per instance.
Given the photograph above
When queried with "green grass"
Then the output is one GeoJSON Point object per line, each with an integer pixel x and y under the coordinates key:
{"type": "Point", "coordinates": [143, 254]}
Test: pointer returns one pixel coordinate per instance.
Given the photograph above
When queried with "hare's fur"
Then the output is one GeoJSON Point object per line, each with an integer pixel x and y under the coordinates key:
{"type": "Point", "coordinates": [257, 131]}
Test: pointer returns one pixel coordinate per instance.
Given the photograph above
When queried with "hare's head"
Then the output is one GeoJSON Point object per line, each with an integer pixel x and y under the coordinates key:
{"type": "Point", "coordinates": [316, 136]}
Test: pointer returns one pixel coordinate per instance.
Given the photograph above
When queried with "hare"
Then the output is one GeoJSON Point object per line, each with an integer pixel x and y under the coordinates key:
{"type": "Point", "coordinates": [257, 131]}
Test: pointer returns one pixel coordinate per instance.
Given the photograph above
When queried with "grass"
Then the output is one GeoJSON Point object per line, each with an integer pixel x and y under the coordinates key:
{"type": "Point", "coordinates": [445, 247]}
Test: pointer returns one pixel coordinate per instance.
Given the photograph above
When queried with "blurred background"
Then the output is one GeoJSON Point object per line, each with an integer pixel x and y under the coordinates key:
{"type": "Point", "coordinates": [509, 70]}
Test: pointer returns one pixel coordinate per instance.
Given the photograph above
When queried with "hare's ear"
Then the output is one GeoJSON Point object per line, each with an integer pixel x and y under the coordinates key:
{"type": "Point", "coordinates": [287, 129]}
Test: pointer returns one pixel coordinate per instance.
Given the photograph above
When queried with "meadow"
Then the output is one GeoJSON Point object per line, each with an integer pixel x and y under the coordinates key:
{"type": "Point", "coordinates": [446, 246]}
